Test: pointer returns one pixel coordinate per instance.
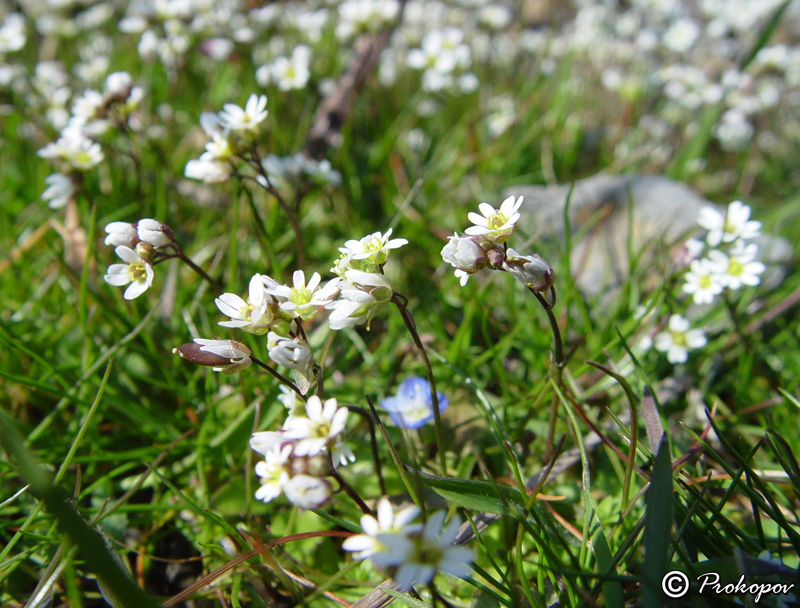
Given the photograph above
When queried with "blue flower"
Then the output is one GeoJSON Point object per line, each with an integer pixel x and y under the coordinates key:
{"type": "Point", "coordinates": [412, 406]}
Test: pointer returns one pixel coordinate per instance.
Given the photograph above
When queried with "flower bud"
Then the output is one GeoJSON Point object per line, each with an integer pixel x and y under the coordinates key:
{"type": "Point", "coordinates": [121, 233]}
{"type": "Point", "coordinates": [226, 356]}
{"type": "Point", "coordinates": [145, 251]}
{"type": "Point", "coordinates": [530, 270]}
{"type": "Point", "coordinates": [154, 233]}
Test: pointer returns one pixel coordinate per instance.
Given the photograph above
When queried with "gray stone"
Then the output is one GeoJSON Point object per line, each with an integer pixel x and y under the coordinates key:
{"type": "Point", "coordinates": [602, 209]}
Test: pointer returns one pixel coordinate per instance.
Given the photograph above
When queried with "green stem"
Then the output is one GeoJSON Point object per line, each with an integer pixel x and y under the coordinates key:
{"type": "Point", "coordinates": [401, 302]}
{"type": "Point", "coordinates": [558, 363]}
{"type": "Point", "coordinates": [279, 376]}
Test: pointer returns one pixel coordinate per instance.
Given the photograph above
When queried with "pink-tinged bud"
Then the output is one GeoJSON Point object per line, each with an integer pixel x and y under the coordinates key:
{"type": "Point", "coordinates": [226, 356]}
{"type": "Point", "coordinates": [154, 233]}
{"type": "Point", "coordinates": [496, 258]}
{"type": "Point", "coordinates": [530, 270]}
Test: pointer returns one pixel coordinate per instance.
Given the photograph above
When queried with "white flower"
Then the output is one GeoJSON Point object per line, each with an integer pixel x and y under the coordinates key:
{"type": "Point", "coordinates": [12, 33]}
{"type": "Point", "coordinates": [530, 270]}
{"type": "Point", "coordinates": [288, 72]}
{"type": "Point", "coordinates": [253, 315]}
{"type": "Point", "coordinates": [273, 473]}
{"type": "Point", "coordinates": [734, 225]}
{"type": "Point", "coordinates": [341, 453]}
{"type": "Point", "coordinates": [135, 271]}
{"type": "Point", "coordinates": [236, 353]}
{"type": "Point", "coordinates": [293, 353]}
{"type": "Point", "coordinates": [121, 233]}
{"type": "Point", "coordinates": [367, 544]}
{"type": "Point", "coordinates": [75, 149]}
{"type": "Point", "coordinates": [208, 170]}
{"type": "Point", "coordinates": [248, 119]}
{"type": "Point", "coordinates": [118, 85]}
{"type": "Point", "coordinates": [703, 282]}
{"type": "Point", "coordinates": [154, 232]}
{"type": "Point", "coordinates": [679, 339]}
{"type": "Point", "coordinates": [421, 556]}
{"type": "Point", "coordinates": [318, 429]}
{"type": "Point", "coordinates": [265, 442]}
{"type": "Point", "coordinates": [303, 300]}
{"type": "Point", "coordinates": [307, 492]}
{"type": "Point", "coordinates": [372, 249]}
{"type": "Point", "coordinates": [739, 268]}
{"type": "Point", "coordinates": [495, 224]}
{"type": "Point", "coordinates": [360, 295]}
{"type": "Point", "coordinates": [60, 189]}
{"type": "Point", "coordinates": [465, 255]}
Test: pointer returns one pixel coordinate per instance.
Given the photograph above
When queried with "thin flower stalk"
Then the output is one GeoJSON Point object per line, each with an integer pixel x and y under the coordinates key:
{"type": "Point", "coordinates": [401, 302]}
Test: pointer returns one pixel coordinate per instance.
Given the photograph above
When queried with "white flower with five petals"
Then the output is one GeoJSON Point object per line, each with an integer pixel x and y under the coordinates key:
{"type": "Point", "coordinates": [495, 224]}
{"type": "Point", "coordinates": [679, 339]}
{"type": "Point", "coordinates": [253, 315]}
{"type": "Point", "coordinates": [733, 225]}
{"type": "Point", "coordinates": [304, 299]}
{"type": "Point", "coordinates": [135, 272]}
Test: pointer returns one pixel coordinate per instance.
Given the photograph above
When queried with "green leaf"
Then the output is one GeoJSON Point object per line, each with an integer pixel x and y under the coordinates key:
{"type": "Point", "coordinates": [473, 495]}
{"type": "Point", "coordinates": [657, 528]}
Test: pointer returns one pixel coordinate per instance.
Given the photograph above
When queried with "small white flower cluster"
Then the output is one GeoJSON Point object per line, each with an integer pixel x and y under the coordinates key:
{"type": "Point", "coordinates": [363, 287]}
{"type": "Point", "coordinates": [139, 245]}
{"type": "Point", "coordinates": [728, 263]}
{"type": "Point", "coordinates": [444, 60]}
{"type": "Point", "coordinates": [92, 114]}
{"type": "Point", "coordinates": [298, 458]}
{"type": "Point", "coordinates": [279, 311]}
{"type": "Point", "coordinates": [729, 260]}
{"type": "Point", "coordinates": [485, 247]}
{"type": "Point", "coordinates": [414, 551]}
{"type": "Point", "coordinates": [230, 132]}
{"type": "Point", "coordinates": [362, 16]}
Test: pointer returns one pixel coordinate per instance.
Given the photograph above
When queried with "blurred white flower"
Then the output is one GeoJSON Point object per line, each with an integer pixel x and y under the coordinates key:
{"type": "Point", "coordinates": [681, 35]}
{"type": "Point", "coordinates": [702, 282]}
{"type": "Point", "coordinates": [360, 16]}
{"type": "Point", "coordinates": [733, 225]}
{"type": "Point", "coordinates": [60, 189]}
{"type": "Point", "coordinates": [207, 170]}
{"type": "Point", "coordinates": [247, 120]}
{"type": "Point", "coordinates": [307, 491]}
{"type": "Point", "coordinates": [12, 33]}
{"type": "Point", "coordinates": [319, 429]}
{"type": "Point", "coordinates": [419, 557]}
{"type": "Point", "coordinates": [733, 130]}
{"type": "Point", "coordinates": [530, 270]}
{"type": "Point", "coordinates": [679, 339]}
{"type": "Point", "coordinates": [273, 473]}
{"type": "Point", "coordinates": [75, 149]}
{"type": "Point", "coordinates": [739, 268]}
{"type": "Point", "coordinates": [387, 522]}
{"type": "Point", "coordinates": [287, 72]}
{"type": "Point", "coordinates": [135, 271]}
